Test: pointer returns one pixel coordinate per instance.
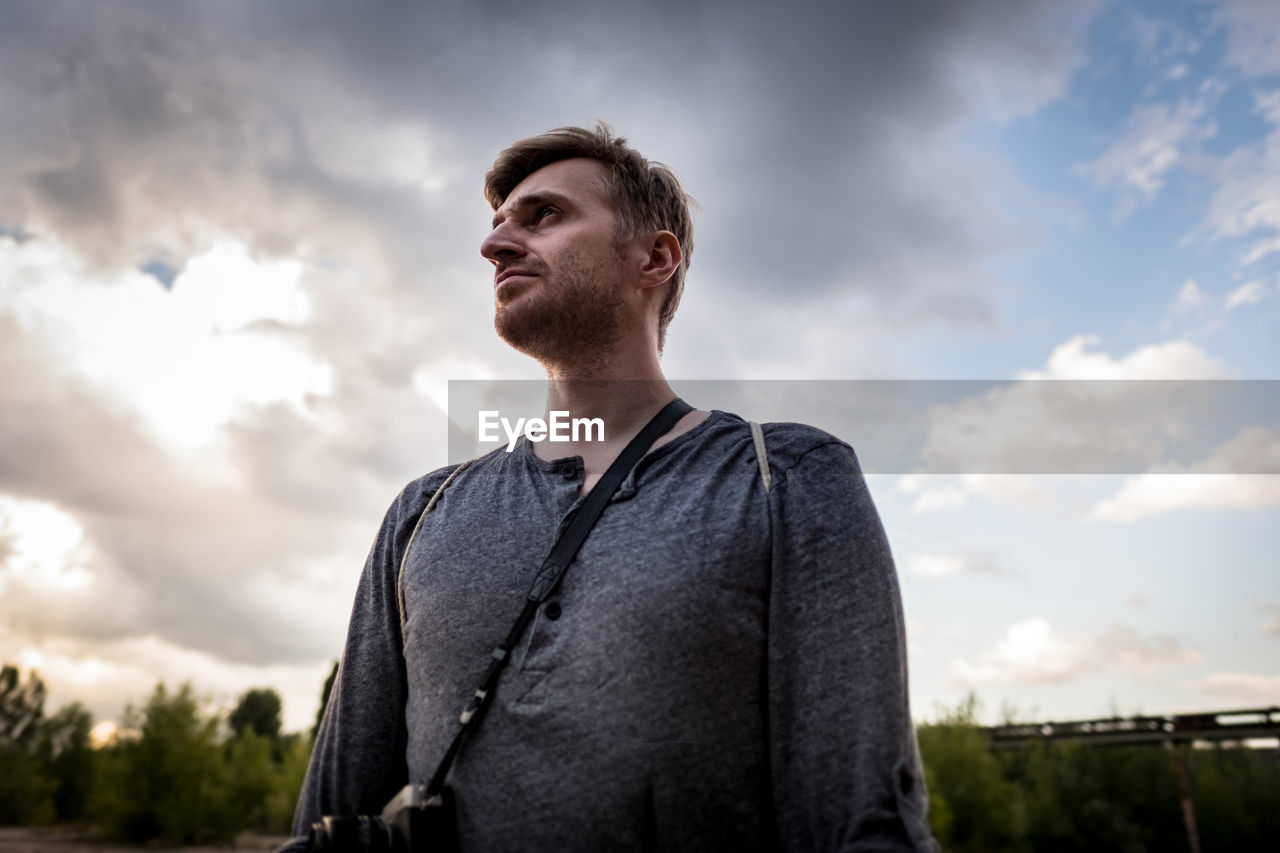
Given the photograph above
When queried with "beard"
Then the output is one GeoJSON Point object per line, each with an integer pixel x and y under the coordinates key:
{"type": "Point", "coordinates": [567, 319]}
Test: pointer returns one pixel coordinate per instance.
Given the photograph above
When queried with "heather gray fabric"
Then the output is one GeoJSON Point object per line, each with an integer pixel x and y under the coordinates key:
{"type": "Point", "coordinates": [726, 669]}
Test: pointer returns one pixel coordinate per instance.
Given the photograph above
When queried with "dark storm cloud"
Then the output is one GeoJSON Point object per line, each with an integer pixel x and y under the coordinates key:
{"type": "Point", "coordinates": [819, 139]}
{"type": "Point", "coordinates": [815, 134]}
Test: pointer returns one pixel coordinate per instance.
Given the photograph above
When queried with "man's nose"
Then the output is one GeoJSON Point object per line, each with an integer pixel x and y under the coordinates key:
{"type": "Point", "coordinates": [501, 241]}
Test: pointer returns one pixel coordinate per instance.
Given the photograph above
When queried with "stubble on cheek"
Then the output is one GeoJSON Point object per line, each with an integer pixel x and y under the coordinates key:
{"type": "Point", "coordinates": [571, 318]}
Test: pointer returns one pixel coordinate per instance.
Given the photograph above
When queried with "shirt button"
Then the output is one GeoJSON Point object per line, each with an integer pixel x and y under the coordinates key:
{"type": "Point", "coordinates": [552, 610]}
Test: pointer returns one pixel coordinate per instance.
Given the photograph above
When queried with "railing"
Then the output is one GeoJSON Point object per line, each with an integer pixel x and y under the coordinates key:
{"type": "Point", "coordinates": [1170, 731]}
{"type": "Point", "coordinates": [1241, 725]}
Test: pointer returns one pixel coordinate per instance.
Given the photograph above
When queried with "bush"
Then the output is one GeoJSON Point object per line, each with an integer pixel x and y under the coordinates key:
{"type": "Point", "coordinates": [168, 779]}
{"type": "Point", "coordinates": [25, 787]}
{"type": "Point", "coordinates": [68, 760]}
{"type": "Point", "coordinates": [971, 804]}
{"type": "Point", "coordinates": [1071, 796]}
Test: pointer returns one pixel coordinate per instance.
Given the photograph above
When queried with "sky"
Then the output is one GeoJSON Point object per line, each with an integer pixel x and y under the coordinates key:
{"type": "Point", "coordinates": [239, 269]}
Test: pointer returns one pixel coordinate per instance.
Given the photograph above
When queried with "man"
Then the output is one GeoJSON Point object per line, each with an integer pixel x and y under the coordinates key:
{"type": "Point", "coordinates": [723, 665]}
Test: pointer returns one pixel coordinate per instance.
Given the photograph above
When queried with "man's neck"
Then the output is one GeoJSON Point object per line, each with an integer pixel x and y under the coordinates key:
{"type": "Point", "coordinates": [624, 400]}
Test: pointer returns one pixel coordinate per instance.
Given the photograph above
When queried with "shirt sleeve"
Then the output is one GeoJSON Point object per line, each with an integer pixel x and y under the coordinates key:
{"type": "Point", "coordinates": [845, 766]}
{"type": "Point", "coordinates": [358, 762]}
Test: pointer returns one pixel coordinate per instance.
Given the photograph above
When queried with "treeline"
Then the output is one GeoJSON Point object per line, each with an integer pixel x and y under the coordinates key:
{"type": "Point", "coordinates": [1074, 796]}
{"type": "Point", "coordinates": [179, 774]}
{"type": "Point", "coordinates": [173, 772]}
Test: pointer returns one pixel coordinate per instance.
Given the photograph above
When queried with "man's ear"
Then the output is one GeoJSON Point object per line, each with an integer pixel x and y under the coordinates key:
{"type": "Point", "coordinates": [662, 260]}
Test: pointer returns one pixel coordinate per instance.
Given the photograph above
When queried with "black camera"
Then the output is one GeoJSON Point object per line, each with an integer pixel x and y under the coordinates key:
{"type": "Point", "coordinates": [411, 823]}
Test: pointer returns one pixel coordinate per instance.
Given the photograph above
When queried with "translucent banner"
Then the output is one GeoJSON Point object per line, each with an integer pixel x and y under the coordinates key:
{"type": "Point", "coordinates": [944, 426]}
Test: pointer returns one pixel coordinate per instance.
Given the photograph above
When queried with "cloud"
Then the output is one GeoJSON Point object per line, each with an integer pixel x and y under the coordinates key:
{"type": "Point", "coordinates": [1253, 35]}
{"type": "Point", "coordinates": [1189, 298]}
{"type": "Point", "coordinates": [936, 493]}
{"type": "Point", "coordinates": [1246, 201]}
{"type": "Point", "coordinates": [103, 675]}
{"type": "Point", "coordinates": [1240, 687]}
{"type": "Point", "coordinates": [306, 131]}
{"type": "Point", "coordinates": [1032, 653]}
{"type": "Point", "coordinates": [246, 550]}
{"type": "Point", "coordinates": [1207, 484]}
{"type": "Point", "coordinates": [1109, 418]}
{"type": "Point", "coordinates": [1246, 294]}
{"type": "Point", "coordinates": [1270, 627]}
{"type": "Point", "coordinates": [1158, 40]}
{"type": "Point", "coordinates": [1151, 144]}
{"type": "Point", "coordinates": [931, 500]}
{"type": "Point", "coordinates": [1170, 360]}
{"type": "Point", "coordinates": [966, 562]}
{"type": "Point", "coordinates": [346, 148]}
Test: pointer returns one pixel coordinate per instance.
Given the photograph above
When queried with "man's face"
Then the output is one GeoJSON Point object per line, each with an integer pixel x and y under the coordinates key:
{"type": "Point", "coordinates": [559, 270]}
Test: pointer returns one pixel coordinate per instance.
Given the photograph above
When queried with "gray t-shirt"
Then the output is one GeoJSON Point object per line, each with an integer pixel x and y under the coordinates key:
{"type": "Point", "coordinates": [721, 668]}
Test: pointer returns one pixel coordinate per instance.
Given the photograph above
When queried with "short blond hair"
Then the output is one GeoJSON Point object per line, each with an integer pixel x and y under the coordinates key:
{"type": "Point", "coordinates": [645, 196]}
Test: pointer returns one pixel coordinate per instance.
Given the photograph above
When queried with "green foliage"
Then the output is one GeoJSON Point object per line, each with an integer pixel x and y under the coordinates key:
{"type": "Point", "coordinates": [25, 791]}
{"type": "Point", "coordinates": [295, 755]}
{"type": "Point", "coordinates": [68, 760]}
{"type": "Point", "coordinates": [324, 699]}
{"type": "Point", "coordinates": [251, 773]}
{"type": "Point", "coordinates": [1235, 793]}
{"type": "Point", "coordinates": [170, 776]}
{"type": "Point", "coordinates": [972, 805]}
{"type": "Point", "coordinates": [265, 778]}
{"type": "Point", "coordinates": [1120, 798]}
{"type": "Point", "coordinates": [257, 711]}
{"type": "Point", "coordinates": [170, 781]}
{"type": "Point", "coordinates": [1074, 796]}
{"type": "Point", "coordinates": [21, 707]}
{"type": "Point", "coordinates": [25, 788]}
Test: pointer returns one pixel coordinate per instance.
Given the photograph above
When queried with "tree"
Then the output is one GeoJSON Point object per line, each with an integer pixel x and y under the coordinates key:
{"type": "Point", "coordinates": [21, 707]}
{"type": "Point", "coordinates": [24, 787]}
{"type": "Point", "coordinates": [972, 806]}
{"type": "Point", "coordinates": [168, 781]}
{"type": "Point", "coordinates": [257, 711]}
{"type": "Point", "coordinates": [324, 699]}
{"type": "Point", "coordinates": [68, 760]}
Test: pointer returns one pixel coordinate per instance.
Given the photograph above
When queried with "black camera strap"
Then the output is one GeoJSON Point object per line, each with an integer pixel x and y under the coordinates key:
{"type": "Point", "coordinates": [553, 568]}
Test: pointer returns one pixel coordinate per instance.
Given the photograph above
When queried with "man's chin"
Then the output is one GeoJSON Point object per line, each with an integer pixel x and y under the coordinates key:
{"type": "Point", "coordinates": [556, 338]}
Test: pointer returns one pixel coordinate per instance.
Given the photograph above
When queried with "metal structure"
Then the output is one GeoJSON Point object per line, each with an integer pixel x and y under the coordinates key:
{"type": "Point", "coordinates": [1241, 725]}
{"type": "Point", "coordinates": [1172, 732]}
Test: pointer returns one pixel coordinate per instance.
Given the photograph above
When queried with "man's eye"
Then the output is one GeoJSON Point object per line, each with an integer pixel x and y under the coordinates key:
{"type": "Point", "coordinates": [543, 212]}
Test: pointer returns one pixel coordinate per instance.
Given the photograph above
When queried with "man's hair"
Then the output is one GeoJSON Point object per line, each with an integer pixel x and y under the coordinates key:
{"type": "Point", "coordinates": [644, 195]}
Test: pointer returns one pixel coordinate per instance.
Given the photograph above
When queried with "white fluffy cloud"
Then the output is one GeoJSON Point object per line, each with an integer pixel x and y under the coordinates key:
{"type": "Point", "coordinates": [1246, 203]}
{"type": "Point", "coordinates": [964, 562]}
{"type": "Point", "coordinates": [1189, 298]}
{"type": "Point", "coordinates": [1107, 419]}
{"type": "Point", "coordinates": [1250, 293]}
{"type": "Point", "coordinates": [1271, 625]}
{"type": "Point", "coordinates": [1243, 473]}
{"type": "Point", "coordinates": [1031, 652]}
{"type": "Point", "coordinates": [1078, 359]}
{"type": "Point", "coordinates": [1155, 138]}
{"type": "Point", "coordinates": [1240, 687]}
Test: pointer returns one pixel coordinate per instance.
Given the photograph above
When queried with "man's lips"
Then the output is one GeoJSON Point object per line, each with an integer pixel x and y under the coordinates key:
{"type": "Point", "coordinates": [508, 274]}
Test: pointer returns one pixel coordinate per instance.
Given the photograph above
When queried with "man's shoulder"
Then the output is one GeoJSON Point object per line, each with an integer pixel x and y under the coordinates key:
{"type": "Point", "coordinates": [788, 443]}
{"type": "Point", "coordinates": [417, 492]}
{"type": "Point", "coordinates": [414, 497]}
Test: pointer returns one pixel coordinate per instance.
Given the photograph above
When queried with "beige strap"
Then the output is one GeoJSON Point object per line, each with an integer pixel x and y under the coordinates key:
{"type": "Point", "coordinates": [404, 558]}
{"type": "Point", "coordinates": [757, 436]}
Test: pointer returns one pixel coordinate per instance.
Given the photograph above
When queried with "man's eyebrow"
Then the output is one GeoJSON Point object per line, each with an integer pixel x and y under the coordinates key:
{"type": "Point", "coordinates": [533, 199]}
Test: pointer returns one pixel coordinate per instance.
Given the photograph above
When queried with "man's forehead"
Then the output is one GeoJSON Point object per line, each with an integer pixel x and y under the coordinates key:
{"type": "Point", "coordinates": [577, 179]}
